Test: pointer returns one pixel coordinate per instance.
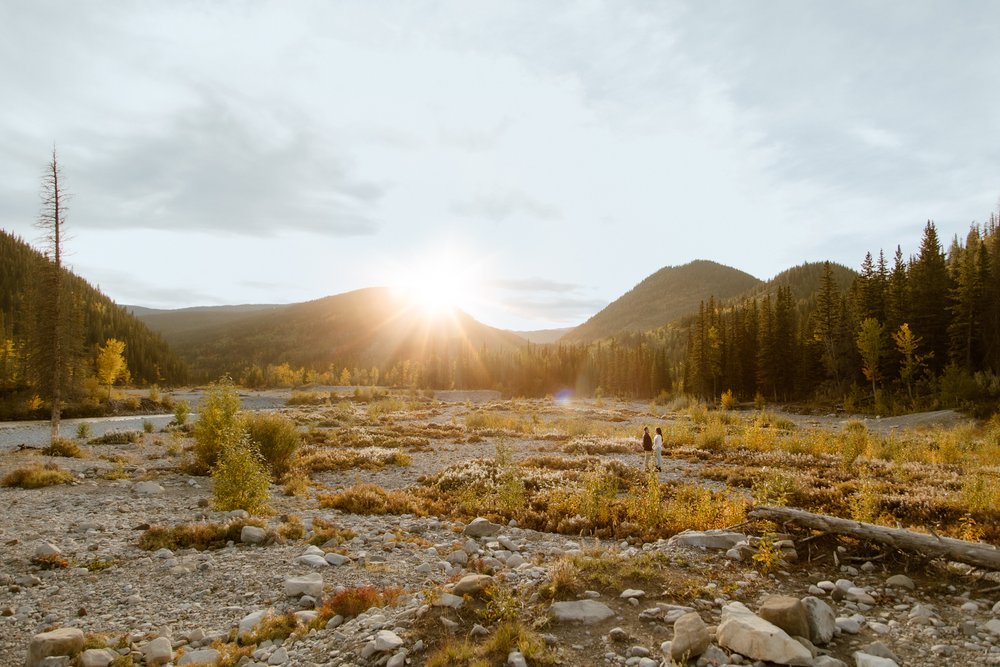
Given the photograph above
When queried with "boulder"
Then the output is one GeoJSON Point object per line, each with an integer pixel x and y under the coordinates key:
{"type": "Point", "coordinates": [691, 637]}
{"type": "Point", "coordinates": [632, 593]}
{"type": "Point", "coordinates": [147, 488]}
{"type": "Point", "coordinates": [386, 640]}
{"type": "Point", "coordinates": [786, 612]}
{"type": "Point", "coordinates": [46, 550]}
{"type": "Point", "coordinates": [308, 584]}
{"type": "Point", "coordinates": [746, 633]}
{"type": "Point", "coordinates": [901, 581]}
{"type": "Point", "coordinates": [97, 657]}
{"type": "Point", "coordinates": [481, 527]}
{"type": "Point", "coordinates": [582, 611]}
{"type": "Point", "coordinates": [312, 560]}
{"type": "Point", "coordinates": [821, 619]}
{"type": "Point", "coordinates": [868, 660]}
{"type": "Point", "coordinates": [472, 584]}
{"type": "Point", "coordinates": [158, 652]}
{"type": "Point", "coordinates": [336, 559]}
{"type": "Point", "coordinates": [251, 621]}
{"type": "Point", "coordinates": [203, 656]}
{"type": "Point", "coordinates": [62, 641]}
{"type": "Point", "coordinates": [253, 535]}
{"type": "Point", "coordinates": [722, 540]}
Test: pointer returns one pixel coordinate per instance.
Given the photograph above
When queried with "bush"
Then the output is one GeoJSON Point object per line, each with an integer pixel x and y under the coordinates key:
{"type": "Point", "coordinates": [181, 412]}
{"type": "Point", "coordinates": [199, 536]}
{"type": "Point", "coordinates": [239, 478]}
{"type": "Point", "coordinates": [83, 431]}
{"type": "Point", "coordinates": [216, 417]}
{"type": "Point", "coordinates": [36, 477]}
{"type": "Point", "coordinates": [275, 437]}
{"type": "Point", "coordinates": [116, 438]}
{"type": "Point", "coordinates": [63, 447]}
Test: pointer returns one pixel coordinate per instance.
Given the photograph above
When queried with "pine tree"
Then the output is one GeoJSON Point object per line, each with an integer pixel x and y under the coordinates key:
{"type": "Point", "coordinates": [929, 289]}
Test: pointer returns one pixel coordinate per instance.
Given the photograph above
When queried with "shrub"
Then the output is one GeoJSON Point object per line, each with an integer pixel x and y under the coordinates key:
{"type": "Point", "coordinates": [36, 477]}
{"type": "Point", "coordinates": [325, 531]}
{"type": "Point", "coordinates": [216, 417]}
{"type": "Point", "coordinates": [727, 401]}
{"type": "Point", "coordinates": [147, 426]}
{"type": "Point", "coordinates": [65, 448]}
{"type": "Point", "coordinates": [272, 627]}
{"type": "Point", "coordinates": [116, 438]}
{"type": "Point", "coordinates": [353, 601]}
{"type": "Point", "coordinates": [239, 478]}
{"type": "Point", "coordinates": [181, 412]}
{"type": "Point", "coordinates": [371, 499]}
{"type": "Point", "coordinates": [275, 437]}
{"type": "Point", "coordinates": [200, 536]}
{"type": "Point", "coordinates": [82, 431]}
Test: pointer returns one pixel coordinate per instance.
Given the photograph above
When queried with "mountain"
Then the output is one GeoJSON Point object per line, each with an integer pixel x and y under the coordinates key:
{"type": "Point", "coordinates": [669, 294]}
{"type": "Point", "coordinates": [805, 280]}
{"type": "Point", "coordinates": [148, 357]}
{"type": "Point", "coordinates": [359, 329]}
{"type": "Point", "coordinates": [543, 336]}
{"type": "Point", "coordinates": [172, 324]}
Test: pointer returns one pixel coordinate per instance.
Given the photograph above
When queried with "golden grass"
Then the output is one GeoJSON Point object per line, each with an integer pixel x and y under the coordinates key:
{"type": "Point", "coordinates": [36, 476]}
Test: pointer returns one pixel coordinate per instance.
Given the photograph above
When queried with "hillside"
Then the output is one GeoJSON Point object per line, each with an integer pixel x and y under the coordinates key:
{"type": "Point", "coordinates": [184, 322]}
{"type": "Point", "coordinates": [543, 336]}
{"type": "Point", "coordinates": [149, 358]}
{"type": "Point", "coordinates": [805, 279]}
{"type": "Point", "coordinates": [667, 295]}
{"type": "Point", "coordinates": [359, 329]}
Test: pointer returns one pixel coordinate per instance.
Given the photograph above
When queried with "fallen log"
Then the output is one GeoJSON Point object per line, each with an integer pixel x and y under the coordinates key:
{"type": "Point", "coordinates": [978, 554]}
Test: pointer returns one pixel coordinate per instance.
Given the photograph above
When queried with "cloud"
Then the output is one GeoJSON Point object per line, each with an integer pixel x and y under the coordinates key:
{"type": "Point", "coordinates": [500, 207]}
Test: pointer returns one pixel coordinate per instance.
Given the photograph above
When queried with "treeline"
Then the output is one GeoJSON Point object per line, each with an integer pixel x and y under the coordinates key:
{"type": "Point", "coordinates": [90, 318]}
{"type": "Point", "coordinates": [917, 332]}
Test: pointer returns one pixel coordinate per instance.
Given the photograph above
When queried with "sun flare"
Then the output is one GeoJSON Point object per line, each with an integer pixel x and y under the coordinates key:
{"type": "Point", "coordinates": [437, 283]}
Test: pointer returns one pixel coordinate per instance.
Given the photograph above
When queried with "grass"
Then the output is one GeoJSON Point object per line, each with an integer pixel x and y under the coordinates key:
{"type": "Point", "coordinates": [65, 448]}
{"type": "Point", "coordinates": [371, 499]}
{"type": "Point", "coordinates": [36, 476]}
{"type": "Point", "coordinates": [324, 531]}
{"type": "Point", "coordinates": [117, 438]}
{"type": "Point", "coordinates": [374, 458]}
{"type": "Point", "coordinates": [508, 636]}
{"type": "Point", "coordinates": [353, 601]}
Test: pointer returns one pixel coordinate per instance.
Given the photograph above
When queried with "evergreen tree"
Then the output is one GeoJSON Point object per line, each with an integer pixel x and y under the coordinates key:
{"type": "Point", "coordinates": [930, 285]}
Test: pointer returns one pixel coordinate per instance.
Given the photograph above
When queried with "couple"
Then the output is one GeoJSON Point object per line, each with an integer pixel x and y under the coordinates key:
{"type": "Point", "coordinates": [652, 445]}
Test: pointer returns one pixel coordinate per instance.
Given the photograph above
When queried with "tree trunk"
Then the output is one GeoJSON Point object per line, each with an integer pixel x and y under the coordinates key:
{"type": "Point", "coordinates": [985, 556]}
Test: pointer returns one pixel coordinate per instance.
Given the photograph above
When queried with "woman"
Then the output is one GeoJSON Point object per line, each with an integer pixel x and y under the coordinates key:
{"type": "Point", "coordinates": [658, 449]}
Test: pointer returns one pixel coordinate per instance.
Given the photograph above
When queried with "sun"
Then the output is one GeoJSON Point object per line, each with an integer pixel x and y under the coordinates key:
{"type": "Point", "coordinates": [437, 283]}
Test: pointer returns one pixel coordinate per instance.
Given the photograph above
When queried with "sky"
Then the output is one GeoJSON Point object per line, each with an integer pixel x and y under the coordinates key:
{"type": "Point", "coordinates": [530, 161]}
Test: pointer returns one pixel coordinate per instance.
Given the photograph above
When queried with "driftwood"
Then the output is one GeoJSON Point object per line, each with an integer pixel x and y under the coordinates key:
{"type": "Point", "coordinates": [980, 555]}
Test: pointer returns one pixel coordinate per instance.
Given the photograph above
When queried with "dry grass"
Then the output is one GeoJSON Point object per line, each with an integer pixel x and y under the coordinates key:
{"type": "Point", "coordinates": [36, 476]}
{"type": "Point", "coordinates": [199, 536]}
{"type": "Point", "coordinates": [371, 499]}
{"type": "Point", "coordinates": [372, 458]}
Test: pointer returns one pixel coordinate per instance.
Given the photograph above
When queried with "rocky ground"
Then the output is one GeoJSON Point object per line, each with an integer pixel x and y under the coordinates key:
{"type": "Point", "coordinates": [706, 598]}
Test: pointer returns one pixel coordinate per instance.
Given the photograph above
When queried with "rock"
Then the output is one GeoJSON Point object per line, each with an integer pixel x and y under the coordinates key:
{"type": "Point", "coordinates": [457, 558]}
{"type": "Point", "coordinates": [786, 612]}
{"type": "Point", "coordinates": [472, 584]}
{"type": "Point", "coordinates": [387, 640]}
{"type": "Point", "coordinates": [993, 625]}
{"type": "Point", "coordinates": [251, 621]}
{"type": "Point", "coordinates": [746, 633]}
{"type": "Point", "coordinates": [253, 535]}
{"type": "Point", "coordinates": [865, 660]}
{"type": "Point", "coordinates": [62, 641]}
{"type": "Point", "coordinates": [158, 652]}
{"type": "Point", "coordinates": [47, 550]}
{"type": "Point", "coordinates": [448, 600]}
{"type": "Point", "coordinates": [618, 635]}
{"type": "Point", "coordinates": [279, 657]}
{"type": "Point", "coordinates": [203, 656]}
{"type": "Point", "coordinates": [312, 560]}
{"type": "Point", "coordinates": [821, 620]}
{"type": "Point", "coordinates": [632, 593]}
{"type": "Point", "coordinates": [336, 559]}
{"type": "Point", "coordinates": [828, 661]}
{"type": "Point", "coordinates": [722, 540]}
{"type": "Point", "coordinates": [398, 659]}
{"type": "Point", "coordinates": [851, 626]}
{"type": "Point", "coordinates": [481, 527]}
{"type": "Point", "coordinates": [900, 581]}
{"type": "Point", "coordinates": [880, 650]}
{"type": "Point", "coordinates": [97, 657]}
{"type": "Point", "coordinates": [713, 657]}
{"type": "Point", "coordinates": [583, 611]}
{"type": "Point", "coordinates": [147, 488]}
{"type": "Point", "coordinates": [478, 631]}
{"type": "Point", "coordinates": [691, 637]}
{"type": "Point", "coordinates": [860, 595]}
{"type": "Point", "coordinates": [516, 659]}
{"type": "Point", "coordinates": [308, 584]}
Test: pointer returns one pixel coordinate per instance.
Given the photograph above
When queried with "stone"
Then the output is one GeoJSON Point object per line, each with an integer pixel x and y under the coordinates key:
{"type": "Point", "coordinates": [398, 659]}
{"type": "Point", "coordinates": [862, 659]}
{"type": "Point", "coordinates": [746, 633]}
{"type": "Point", "coordinates": [308, 584]}
{"type": "Point", "coordinates": [336, 559]}
{"type": "Point", "coordinates": [713, 657]}
{"type": "Point", "coordinates": [448, 600]}
{"type": "Point", "coordinates": [481, 527]}
{"type": "Point", "coordinates": [387, 640]}
{"type": "Point", "coordinates": [632, 593]}
{"type": "Point", "coordinates": [618, 635]}
{"type": "Point", "coordinates": [279, 657]}
{"type": "Point", "coordinates": [47, 550]}
{"type": "Point", "coordinates": [516, 659]}
{"type": "Point", "coordinates": [312, 560]}
{"type": "Point", "coordinates": [147, 488]}
{"type": "Point", "coordinates": [97, 657]}
{"type": "Point", "coordinates": [851, 626]}
{"type": "Point", "coordinates": [880, 650]}
{"type": "Point", "coordinates": [582, 611]}
{"type": "Point", "coordinates": [786, 612]}
{"type": "Point", "coordinates": [860, 595]}
{"type": "Point", "coordinates": [901, 581]}
{"type": "Point", "coordinates": [828, 661]}
{"type": "Point", "coordinates": [723, 540]}
{"type": "Point", "coordinates": [253, 535]}
{"type": "Point", "coordinates": [472, 584]}
{"type": "Point", "coordinates": [203, 656]}
{"type": "Point", "coordinates": [158, 652]}
{"type": "Point", "coordinates": [821, 620]}
{"type": "Point", "coordinates": [691, 637]}
{"type": "Point", "coordinates": [457, 558]}
{"type": "Point", "coordinates": [993, 625]}
{"type": "Point", "coordinates": [62, 641]}
{"type": "Point", "coordinates": [251, 621]}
